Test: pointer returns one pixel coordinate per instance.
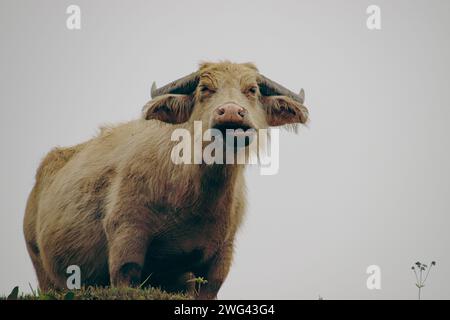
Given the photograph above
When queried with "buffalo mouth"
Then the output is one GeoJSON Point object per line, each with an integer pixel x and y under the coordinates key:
{"type": "Point", "coordinates": [235, 129]}
{"type": "Point", "coordinates": [237, 134]}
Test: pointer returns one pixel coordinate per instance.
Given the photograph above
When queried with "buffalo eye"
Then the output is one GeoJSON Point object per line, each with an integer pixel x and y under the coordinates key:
{"type": "Point", "coordinates": [206, 90]}
{"type": "Point", "coordinates": [252, 90]}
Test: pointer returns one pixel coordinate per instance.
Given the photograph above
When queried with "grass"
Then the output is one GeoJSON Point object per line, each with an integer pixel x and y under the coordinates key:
{"type": "Point", "coordinates": [199, 281]}
{"type": "Point", "coordinates": [98, 293]}
{"type": "Point", "coordinates": [420, 270]}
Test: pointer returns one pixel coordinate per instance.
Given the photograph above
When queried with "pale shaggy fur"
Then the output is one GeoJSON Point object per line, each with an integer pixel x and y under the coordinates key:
{"type": "Point", "coordinates": [121, 210]}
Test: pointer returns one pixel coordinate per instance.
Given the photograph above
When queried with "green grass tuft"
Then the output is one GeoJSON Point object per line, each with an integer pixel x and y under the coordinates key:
{"type": "Point", "coordinates": [98, 293]}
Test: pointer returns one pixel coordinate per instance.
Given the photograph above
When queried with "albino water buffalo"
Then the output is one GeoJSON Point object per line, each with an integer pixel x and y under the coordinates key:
{"type": "Point", "coordinates": [120, 209]}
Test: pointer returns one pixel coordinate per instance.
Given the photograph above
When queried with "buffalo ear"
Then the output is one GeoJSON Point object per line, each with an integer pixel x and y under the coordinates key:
{"type": "Point", "coordinates": [170, 108]}
{"type": "Point", "coordinates": [283, 110]}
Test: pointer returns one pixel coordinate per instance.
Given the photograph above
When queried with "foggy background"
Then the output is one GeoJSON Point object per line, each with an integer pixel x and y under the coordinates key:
{"type": "Point", "coordinates": [367, 183]}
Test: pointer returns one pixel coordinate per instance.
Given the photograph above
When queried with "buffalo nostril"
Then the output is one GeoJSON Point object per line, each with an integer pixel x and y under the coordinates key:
{"type": "Point", "coordinates": [242, 112]}
{"type": "Point", "coordinates": [221, 111]}
{"type": "Point", "coordinates": [231, 112]}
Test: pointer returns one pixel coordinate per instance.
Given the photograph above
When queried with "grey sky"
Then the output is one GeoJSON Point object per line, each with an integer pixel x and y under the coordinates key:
{"type": "Point", "coordinates": [367, 183]}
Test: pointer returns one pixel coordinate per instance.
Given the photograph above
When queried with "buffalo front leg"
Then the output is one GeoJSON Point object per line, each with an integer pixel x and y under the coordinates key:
{"type": "Point", "coordinates": [215, 272]}
{"type": "Point", "coordinates": [128, 240]}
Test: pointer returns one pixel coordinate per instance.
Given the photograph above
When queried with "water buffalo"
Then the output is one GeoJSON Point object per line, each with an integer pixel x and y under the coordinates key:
{"type": "Point", "coordinates": [121, 210]}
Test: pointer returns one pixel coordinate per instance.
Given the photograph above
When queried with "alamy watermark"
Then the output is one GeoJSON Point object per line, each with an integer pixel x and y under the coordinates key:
{"type": "Point", "coordinates": [374, 280]}
{"type": "Point", "coordinates": [74, 278]}
{"type": "Point", "coordinates": [73, 21]}
{"type": "Point", "coordinates": [373, 21]}
{"type": "Point", "coordinates": [232, 146]}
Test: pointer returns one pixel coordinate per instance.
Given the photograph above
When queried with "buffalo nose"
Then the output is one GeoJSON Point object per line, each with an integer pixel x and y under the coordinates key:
{"type": "Point", "coordinates": [230, 113]}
